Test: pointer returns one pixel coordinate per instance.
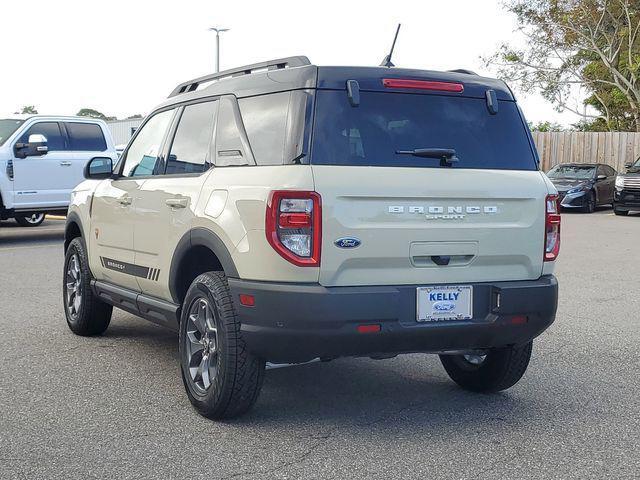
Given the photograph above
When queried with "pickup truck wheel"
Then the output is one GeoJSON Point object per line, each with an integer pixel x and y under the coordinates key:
{"type": "Point", "coordinates": [86, 314]}
{"type": "Point", "coordinates": [499, 369]}
{"type": "Point", "coordinates": [221, 378]}
{"type": "Point", "coordinates": [32, 220]}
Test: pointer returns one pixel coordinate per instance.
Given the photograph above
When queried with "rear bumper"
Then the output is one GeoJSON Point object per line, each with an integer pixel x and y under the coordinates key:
{"type": "Point", "coordinates": [295, 323]}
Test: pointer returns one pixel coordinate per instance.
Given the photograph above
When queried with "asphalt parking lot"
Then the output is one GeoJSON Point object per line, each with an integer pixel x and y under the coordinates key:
{"type": "Point", "coordinates": [114, 406]}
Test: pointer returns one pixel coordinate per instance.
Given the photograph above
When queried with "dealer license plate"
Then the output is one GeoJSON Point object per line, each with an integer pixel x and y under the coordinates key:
{"type": "Point", "coordinates": [441, 303]}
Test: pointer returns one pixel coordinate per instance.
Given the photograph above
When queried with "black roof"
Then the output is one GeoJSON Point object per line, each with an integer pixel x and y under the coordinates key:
{"type": "Point", "coordinates": [294, 73]}
{"type": "Point", "coordinates": [370, 78]}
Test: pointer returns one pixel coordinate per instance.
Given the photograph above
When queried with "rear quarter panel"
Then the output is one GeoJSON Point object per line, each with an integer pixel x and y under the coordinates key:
{"type": "Point", "coordinates": [233, 205]}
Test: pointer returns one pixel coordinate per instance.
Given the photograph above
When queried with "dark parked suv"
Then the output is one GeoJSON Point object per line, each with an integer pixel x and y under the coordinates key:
{"type": "Point", "coordinates": [627, 194]}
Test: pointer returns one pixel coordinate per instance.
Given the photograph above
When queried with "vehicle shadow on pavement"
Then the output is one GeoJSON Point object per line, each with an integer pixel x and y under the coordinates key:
{"type": "Point", "coordinates": [359, 392]}
{"type": "Point", "coordinates": [577, 211]}
{"type": "Point", "coordinates": [352, 393]}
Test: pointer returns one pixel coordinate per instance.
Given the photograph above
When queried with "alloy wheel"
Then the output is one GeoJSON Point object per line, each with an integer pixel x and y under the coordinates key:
{"type": "Point", "coordinates": [34, 218]}
{"type": "Point", "coordinates": [475, 359]}
{"type": "Point", "coordinates": [73, 286]}
{"type": "Point", "coordinates": [202, 345]}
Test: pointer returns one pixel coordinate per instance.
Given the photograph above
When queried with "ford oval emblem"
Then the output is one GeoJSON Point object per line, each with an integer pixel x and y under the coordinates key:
{"type": "Point", "coordinates": [347, 242]}
{"type": "Point", "coordinates": [444, 306]}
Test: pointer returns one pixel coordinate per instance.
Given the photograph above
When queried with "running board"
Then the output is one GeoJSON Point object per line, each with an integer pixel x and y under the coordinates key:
{"type": "Point", "coordinates": [160, 312]}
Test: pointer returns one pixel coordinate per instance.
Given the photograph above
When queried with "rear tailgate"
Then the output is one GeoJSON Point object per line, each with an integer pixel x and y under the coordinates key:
{"type": "Point", "coordinates": [409, 216]}
{"type": "Point", "coordinates": [410, 221]}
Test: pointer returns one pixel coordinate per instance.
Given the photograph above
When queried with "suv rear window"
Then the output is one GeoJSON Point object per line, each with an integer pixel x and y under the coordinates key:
{"type": "Point", "coordinates": [383, 123]}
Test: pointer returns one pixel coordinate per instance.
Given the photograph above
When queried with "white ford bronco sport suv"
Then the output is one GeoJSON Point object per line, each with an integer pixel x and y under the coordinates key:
{"type": "Point", "coordinates": [42, 158]}
{"type": "Point", "coordinates": [282, 212]}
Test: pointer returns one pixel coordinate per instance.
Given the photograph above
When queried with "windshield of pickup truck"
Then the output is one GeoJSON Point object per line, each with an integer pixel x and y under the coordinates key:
{"type": "Point", "coordinates": [7, 127]}
{"type": "Point", "coordinates": [396, 129]}
{"type": "Point", "coordinates": [573, 172]}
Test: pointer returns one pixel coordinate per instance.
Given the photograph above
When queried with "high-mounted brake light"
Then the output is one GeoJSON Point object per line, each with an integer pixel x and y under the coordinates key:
{"type": "Point", "coordinates": [552, 228]}
{"type": "Point", "coordinates": [422, 85]}
{"type": "Point", "coordinates": [294, 226]}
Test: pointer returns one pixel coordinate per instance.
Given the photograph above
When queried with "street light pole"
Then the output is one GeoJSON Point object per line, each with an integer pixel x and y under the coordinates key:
{"type": "Point", "coordinates": [218, 31]}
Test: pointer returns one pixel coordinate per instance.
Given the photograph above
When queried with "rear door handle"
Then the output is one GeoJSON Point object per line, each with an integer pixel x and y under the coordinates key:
{"type": "Point", "coordinates": [125, 201]}
{"type": "Point", "coordinates": [177, 202]}
{"type": "Point", "coordinates": [65, 164]}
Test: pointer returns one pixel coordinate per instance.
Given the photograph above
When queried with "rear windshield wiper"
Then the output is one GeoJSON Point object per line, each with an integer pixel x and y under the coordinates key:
{"type": "Point", "coordinates": [447, 156]}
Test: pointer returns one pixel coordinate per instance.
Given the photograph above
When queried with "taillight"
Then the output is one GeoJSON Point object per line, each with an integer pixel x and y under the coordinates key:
{"type": "Point", "coordinates": [422, 85]}
{"type": "Point", "coordinates": [293, 226]}
{"type": "Point", "coordinates": [552, 228]}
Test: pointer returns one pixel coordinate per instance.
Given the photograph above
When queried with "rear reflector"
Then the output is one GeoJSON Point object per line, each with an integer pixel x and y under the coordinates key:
{"type": "Point", "coordinates": [519, 320]}
{"type": "Point", "coordinates": [247, 300]}
{"type": "Point", "coordinates": [369, 328]}
{"type": "Point", "coordinates": [295, 220]}
{"type": "Point", "coordinates": [422, 85]}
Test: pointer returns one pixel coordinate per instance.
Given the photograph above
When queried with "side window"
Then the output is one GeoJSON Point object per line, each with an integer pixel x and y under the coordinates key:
{"type": "Point", "coordinates": [144, 156]}
{"type": "Point", "coordinates": [265, 118]}
{"type": "Point", "coordinates": [231, 145]}
{"type": "Point", "coordinates": [85, 137]}
{"type": "Point", "coordinates": [609, 171]}
{"type": "Point", "coordinates": [51, 130]}
{"type": "Point", "coordinates": [190, 148]}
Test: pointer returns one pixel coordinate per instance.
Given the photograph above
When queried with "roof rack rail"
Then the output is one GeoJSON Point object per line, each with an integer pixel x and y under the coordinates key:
{"type": "Point", "coordinates": [463, 70]}
{"type": "Point", "coordinates": [277, 64]}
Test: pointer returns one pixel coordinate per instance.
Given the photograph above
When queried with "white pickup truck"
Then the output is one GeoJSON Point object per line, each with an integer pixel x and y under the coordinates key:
{"type": "Point", "coordinates": [42, 158]}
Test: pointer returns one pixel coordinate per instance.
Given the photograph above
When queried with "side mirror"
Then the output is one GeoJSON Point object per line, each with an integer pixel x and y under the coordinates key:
{"type": "Point", "coordinates": [37, 146]}
{"type": "Point", "coordinates": [98, 168]}
{"type": "Point", "coordinates": [601, 177]}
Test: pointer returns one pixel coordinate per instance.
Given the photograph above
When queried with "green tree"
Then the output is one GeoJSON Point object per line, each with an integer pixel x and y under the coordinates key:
{"type": "Point", "coordinates": [29, 110]}
{"type": "Point", "coordinates": [582, 55]}
{"type": "Point", "coordinates": [546, 127]}
{"type": "Point", "coordinates": [132, 117]}
{"type": "Point", "coordinates": [90, 112]}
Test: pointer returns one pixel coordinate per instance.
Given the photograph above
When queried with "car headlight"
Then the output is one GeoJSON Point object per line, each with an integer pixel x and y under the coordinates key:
{"type": "Point", "coordinates": [619, 182]}
{"type": "Point", "coordinates": [577, 189]}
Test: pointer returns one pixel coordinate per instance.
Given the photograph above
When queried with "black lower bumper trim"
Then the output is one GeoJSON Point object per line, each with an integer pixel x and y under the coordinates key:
{"type": "Point", "coordinates": [294, 323]}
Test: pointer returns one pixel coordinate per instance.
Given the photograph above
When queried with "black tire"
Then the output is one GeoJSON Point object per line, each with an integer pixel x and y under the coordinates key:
{"type": "Point", "coordinates": [234, 375]}
{"type": "Point", "coordinates": [31, 220]}
{"type": "Point", "coordinates": [622, 213]}
{"type": "Point", "coordinates": [590, 205]}
{"type": "Point", "coordinates": [86, 314]}
{"type": "Point", "coordinates": [502, 368]}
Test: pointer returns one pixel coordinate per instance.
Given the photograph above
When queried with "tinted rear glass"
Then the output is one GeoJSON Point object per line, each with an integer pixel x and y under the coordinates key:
{"type": "Point", "coordinates": [384, 123]}
{"type": "Point", "coordinates": [86, 137]}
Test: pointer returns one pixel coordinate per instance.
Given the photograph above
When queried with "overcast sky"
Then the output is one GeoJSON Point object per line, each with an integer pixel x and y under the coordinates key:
{"type": "Point", "coordinates": [124, 57]}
